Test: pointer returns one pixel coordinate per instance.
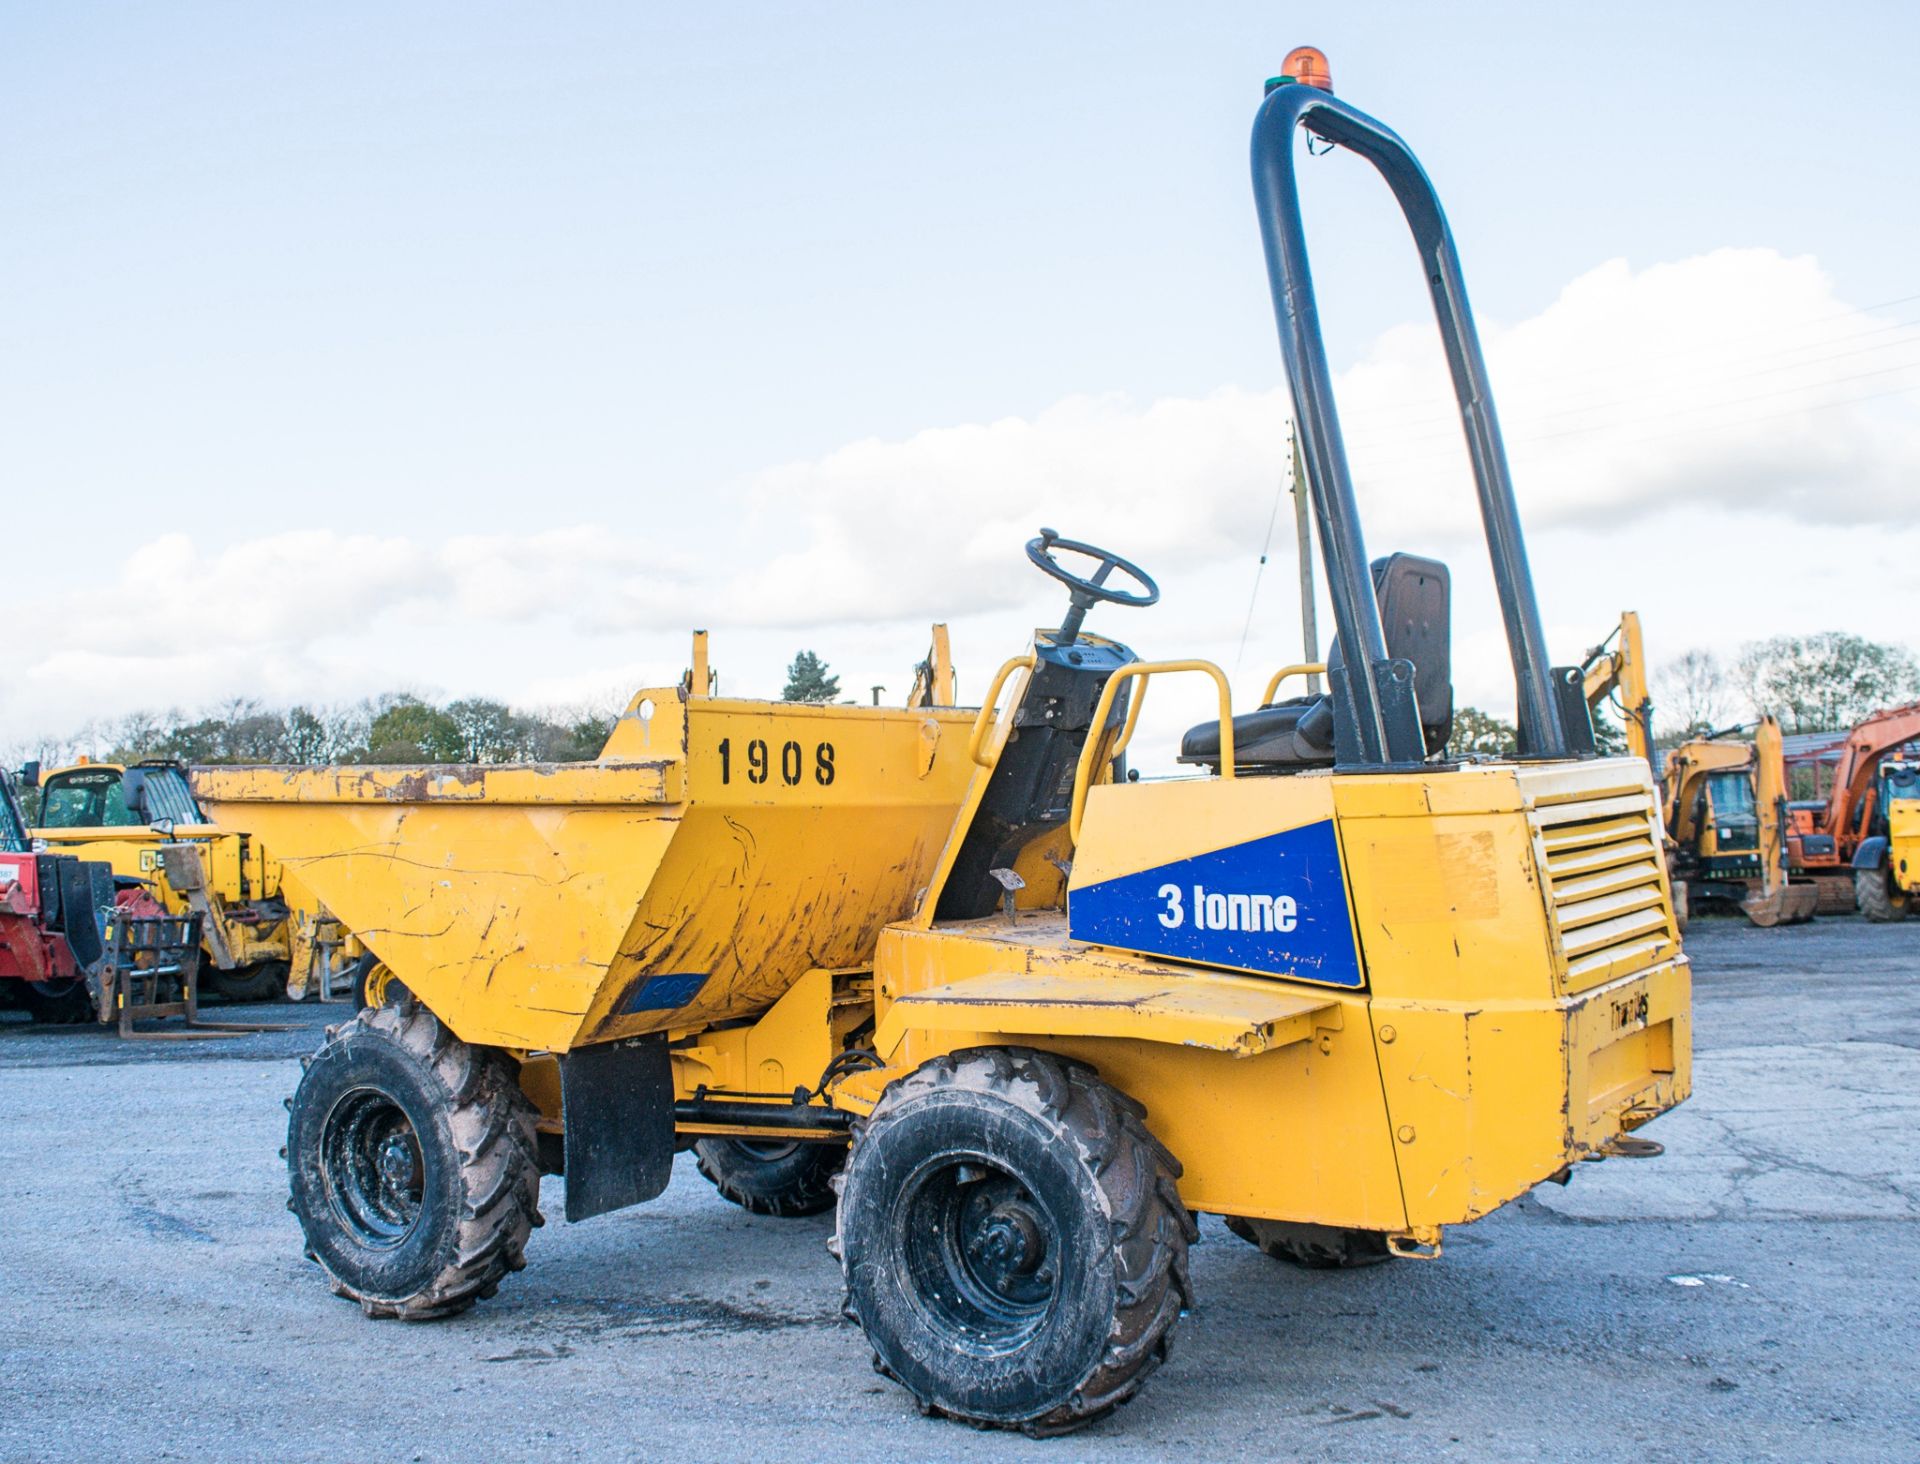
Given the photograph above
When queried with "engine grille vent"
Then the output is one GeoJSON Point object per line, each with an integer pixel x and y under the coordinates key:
{"type": "Point", "coordinates": [1603, 865]}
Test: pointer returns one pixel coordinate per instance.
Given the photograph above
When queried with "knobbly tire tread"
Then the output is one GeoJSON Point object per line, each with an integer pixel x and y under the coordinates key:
{"type": "Point", "coordinates": [1314, 1247]}
{"type": "Point", "coordinates": [1873, 893]}
{"type": "Point", "coordinates": [71, 1008]}
{"type": "Point", "coordinates": [491, 1124]}
{"type": "Point", "coordinates": [801, 1185]}
{"type": "Point", "coordinates": [1150, 1228]}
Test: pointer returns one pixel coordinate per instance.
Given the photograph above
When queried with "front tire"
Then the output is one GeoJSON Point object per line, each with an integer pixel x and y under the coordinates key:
{"type": "Point", "coordinates": [1316, 1247]}
{"type": "Point", "coordinates": [411, 1159]}
{"type": "Point", "coordinates": [1013, 1242]}
{"type": "Point", "coordinates": [1878, 900]}
{"type": "Point", "coordinates": [65, 1003]}
{"type": "Point", "coordinates": [263, 981]}
{"type": "Point", "coordinates": [768, 1177]}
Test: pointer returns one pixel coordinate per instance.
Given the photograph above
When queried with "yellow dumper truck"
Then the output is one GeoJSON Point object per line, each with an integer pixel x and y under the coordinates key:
{"type": "Point", "coordinates": [1031, 1016]}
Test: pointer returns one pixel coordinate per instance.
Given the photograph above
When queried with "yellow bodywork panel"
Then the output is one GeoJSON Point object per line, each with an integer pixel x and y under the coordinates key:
{"type": "Point", "coordinates": [1903, 842]}
{"type": "Point", "coordinates": [1553, 869]}
{"type": "Point", "coordinates": [716, 853]}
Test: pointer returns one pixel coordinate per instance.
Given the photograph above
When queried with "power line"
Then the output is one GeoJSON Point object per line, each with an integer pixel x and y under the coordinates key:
{"type": "Point", "coordinates": [1280, 485]}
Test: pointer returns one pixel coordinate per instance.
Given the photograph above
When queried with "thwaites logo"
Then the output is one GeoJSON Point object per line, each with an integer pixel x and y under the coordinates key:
{"type": "Point", "coordinates": [1276, 906]}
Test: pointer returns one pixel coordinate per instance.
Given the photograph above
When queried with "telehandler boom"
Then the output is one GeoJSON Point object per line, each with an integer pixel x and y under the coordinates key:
{"type": "Point", "coordinates": [1338, 989]}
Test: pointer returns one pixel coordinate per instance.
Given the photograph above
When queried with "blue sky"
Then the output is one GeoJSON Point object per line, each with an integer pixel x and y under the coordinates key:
{"type": "Point", "coordinates": [421, 284]}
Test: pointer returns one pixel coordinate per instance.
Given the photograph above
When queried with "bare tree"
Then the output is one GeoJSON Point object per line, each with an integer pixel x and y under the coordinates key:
{"type": "Point", "coordinates": [1692, 694]}
{"type": "Point", "coordinates": [1825, 682]}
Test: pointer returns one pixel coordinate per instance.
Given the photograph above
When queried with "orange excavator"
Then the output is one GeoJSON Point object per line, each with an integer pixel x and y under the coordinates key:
{"type": "Point", "coordinates": [1824, 839]}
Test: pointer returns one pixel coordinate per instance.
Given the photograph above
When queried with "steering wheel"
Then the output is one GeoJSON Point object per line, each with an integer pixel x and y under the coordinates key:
{"type": "Point", "coordinates": [1088, 592]}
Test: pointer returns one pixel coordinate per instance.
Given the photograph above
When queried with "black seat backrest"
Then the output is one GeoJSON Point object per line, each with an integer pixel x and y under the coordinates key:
{"type": "Point", "coordinates": [1415, 596]}
{"type": "Point", "coordinates": [1416, 616]}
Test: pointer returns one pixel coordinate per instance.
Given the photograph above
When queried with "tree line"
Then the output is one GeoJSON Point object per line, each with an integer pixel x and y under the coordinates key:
{"type": "Point", "coordinates": [399, 727]}
{"type": "Point", "coordinates": [1826, 682]}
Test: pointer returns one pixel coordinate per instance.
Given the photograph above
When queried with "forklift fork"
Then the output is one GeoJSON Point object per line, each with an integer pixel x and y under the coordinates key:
{"type": "Point", "coordinates": [143, 953]}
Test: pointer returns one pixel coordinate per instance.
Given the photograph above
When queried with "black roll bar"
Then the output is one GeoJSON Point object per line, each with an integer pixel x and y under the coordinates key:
{"type": "Point", "coordinates": [1389, 733]}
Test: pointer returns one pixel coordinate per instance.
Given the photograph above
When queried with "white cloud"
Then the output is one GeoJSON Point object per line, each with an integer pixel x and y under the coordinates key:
{"type": "Point", "coordinates": [1720, 442]}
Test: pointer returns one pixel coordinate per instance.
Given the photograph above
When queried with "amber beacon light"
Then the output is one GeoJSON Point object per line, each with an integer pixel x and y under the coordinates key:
{"type": "Point", "coordinates": [1306, 65]}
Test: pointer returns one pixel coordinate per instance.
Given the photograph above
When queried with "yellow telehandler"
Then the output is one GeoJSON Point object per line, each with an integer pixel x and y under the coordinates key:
{"type": "Point", "coordinates": [1030, 1015]}
{"type": "Point", "coordinates": [263, 932]}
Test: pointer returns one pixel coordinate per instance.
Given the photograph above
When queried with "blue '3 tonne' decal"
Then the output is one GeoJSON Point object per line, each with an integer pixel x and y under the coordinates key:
{"type": "Point", "coordinates": [1276, 905]}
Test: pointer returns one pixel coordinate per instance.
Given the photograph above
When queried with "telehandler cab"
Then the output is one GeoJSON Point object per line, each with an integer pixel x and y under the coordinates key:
{"type": "Point", "coordinates": [1037, 1016]}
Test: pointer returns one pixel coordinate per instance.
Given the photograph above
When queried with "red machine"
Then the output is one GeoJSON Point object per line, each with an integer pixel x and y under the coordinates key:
{"type": "Point", "coordinates": [1822, 838]}
{"type": "Point", "coordinates": [52, 923]}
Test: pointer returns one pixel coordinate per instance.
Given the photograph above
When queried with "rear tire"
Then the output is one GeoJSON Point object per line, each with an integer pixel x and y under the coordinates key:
{"type": "Point", "coordinates": [411, 1159]}
{"type": "Point", "coordinates": [1877, 899]}
{"type": "Point", "coordinates": [1012, 1239]}
{"type": "Point", "coordinates": [768, 1177]}
{"type": "Point", "coordinates": [1316, 1247]}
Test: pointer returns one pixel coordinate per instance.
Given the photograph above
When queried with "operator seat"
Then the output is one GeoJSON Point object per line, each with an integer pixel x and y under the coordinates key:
{"type": "Point", "coordinates": [1415, 597]}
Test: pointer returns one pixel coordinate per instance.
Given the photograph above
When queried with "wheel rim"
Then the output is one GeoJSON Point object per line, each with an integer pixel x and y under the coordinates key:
{"type": "Point", "coordinates": [376, 985]}
{"type": "Point", "coordinates": [765, 1151]}
{"type": "Point", "coordinates": [375, 1172]}
{"type": "Point", "coordinates": [980, 1252]}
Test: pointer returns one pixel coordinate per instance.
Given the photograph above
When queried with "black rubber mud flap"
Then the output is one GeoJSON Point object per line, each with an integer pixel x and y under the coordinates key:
{"type": "Point", "coordinates": [617, 1102]}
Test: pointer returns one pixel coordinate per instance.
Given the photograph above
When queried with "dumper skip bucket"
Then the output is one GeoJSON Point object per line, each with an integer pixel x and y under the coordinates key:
{"type": "Point", "coordinates": [716, 852]}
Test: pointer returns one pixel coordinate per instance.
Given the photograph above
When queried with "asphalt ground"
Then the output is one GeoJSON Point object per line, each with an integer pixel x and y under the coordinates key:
{"type": "Point", "coordinates": [1751, 1295]}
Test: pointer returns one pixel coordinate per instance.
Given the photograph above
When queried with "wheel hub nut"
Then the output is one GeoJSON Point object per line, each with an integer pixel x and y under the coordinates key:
{"type": "Point", "coordinates": [396, 1162]}
{"type": "Point", "coordinates": [1011, 1241]}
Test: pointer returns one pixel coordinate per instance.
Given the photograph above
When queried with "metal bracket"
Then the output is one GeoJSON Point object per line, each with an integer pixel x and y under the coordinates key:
{"type": "Point", "coordinates": [1399, 712]}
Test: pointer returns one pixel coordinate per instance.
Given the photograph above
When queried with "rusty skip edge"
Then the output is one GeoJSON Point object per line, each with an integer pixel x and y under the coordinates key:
{"type": "Point", "coordinates": [660, 780]}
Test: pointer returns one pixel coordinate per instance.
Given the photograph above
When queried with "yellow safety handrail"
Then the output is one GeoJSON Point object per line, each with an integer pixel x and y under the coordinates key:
{"type": "Point", "coordinates": [1083, 775]}
{"type": "Point", "coordinates": [985, 719]}
{"type": "Point", "coordinates": [1305, 668]}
